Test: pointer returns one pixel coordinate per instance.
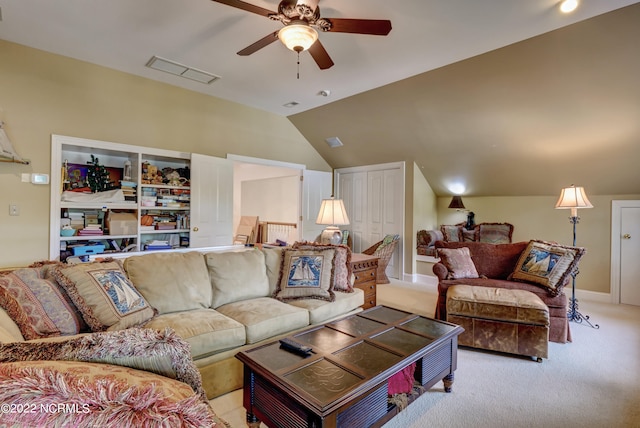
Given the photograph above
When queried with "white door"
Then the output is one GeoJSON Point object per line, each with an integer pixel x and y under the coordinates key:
{"type": "Point", "coordinates": [211, 201]}
{"type": "Point", "coordinates": [352, 189]}
{"type": "Point", "coordinates": [316, 186]}
{"type": "Point", "coordinates": [629, 255]}
{"type": "Point", "coordinates": [393, 216]}
{"type": "Point", "coordinates": [375, 207]}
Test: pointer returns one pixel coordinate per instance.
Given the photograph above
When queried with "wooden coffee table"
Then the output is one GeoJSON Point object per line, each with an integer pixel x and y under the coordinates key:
{"type": "Point", "coordinates": [345, 382]}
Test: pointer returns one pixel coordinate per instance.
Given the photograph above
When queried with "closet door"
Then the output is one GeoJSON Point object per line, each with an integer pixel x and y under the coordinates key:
{"type": "Point", "coordinates": [393, 215]}
{"type": "Point", "coordinates": [374, 199]}
{"type": "Point", "coordinates": [352, 189]}
{"type": "Point", "coordinates": [375, 207]}
{"type": "Point", "coordinates": [316, 186]}
{"type": "Point", "coordinates": [211, 201]}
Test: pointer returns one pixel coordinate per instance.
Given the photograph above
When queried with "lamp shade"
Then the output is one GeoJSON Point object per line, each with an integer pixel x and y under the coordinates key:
{"type": "Point", "coordinates": [332, 213]}
{"type": "Point", "coordinates": [298, 36]}
{"type": "Point", "coordinates": [573, 197]}
{"type": "Point", "coordinates": [456, 202]}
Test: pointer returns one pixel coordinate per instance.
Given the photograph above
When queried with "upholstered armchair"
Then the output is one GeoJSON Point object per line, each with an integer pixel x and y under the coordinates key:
{"type": "Point", "coordinates": [383, 250]}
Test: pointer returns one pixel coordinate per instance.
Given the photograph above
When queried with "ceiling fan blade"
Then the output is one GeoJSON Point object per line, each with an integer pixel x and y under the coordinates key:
{"type": "Point", "coordinates": [376, 27]}
{"type": "Point", "coordinates": [320, 55]}
{"type": "Point", "coordinates": [246, 6]}
{"type": "Point", "coordinates": [265, 41]}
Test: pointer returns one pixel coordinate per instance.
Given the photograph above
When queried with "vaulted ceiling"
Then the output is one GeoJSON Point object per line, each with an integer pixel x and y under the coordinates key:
{"type": "Point", "coordinates": [502, 97]}
{"type": "Point", "coordinates": [558, 109]}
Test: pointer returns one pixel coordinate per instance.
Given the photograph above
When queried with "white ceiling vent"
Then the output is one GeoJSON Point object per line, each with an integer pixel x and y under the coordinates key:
{"type": "Point", "coordinates": [172, 67]}
{"type": "Point", "coordinates": [334, 142]}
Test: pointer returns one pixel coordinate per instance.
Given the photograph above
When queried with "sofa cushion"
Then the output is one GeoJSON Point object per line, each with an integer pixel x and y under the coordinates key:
{"type": "Point", "coordinates": [341, 263]}
{"type": "Point", "coordinates": [494, 233]}
{"type": "Point", "coordinates": [265, 317]}
{"type": "Point", "coordinates": [306, 274]}
{"type": "Point", "coordinates": [491, 303]}
{"type": "Point", "coordinates": [38, 305]}
{"type": "Point", "coordinates": [547, 264]}
{"type": "Point", "coordinates": [237, 276]}
{"type": "Point", "coordinates": [491, 260]}
{"type": "Point", "coordinates": [104, 295]}
{"type": "Point", "coordinates": [171, 282]}
{"type": "Point", "coordinates": [321, 311]}
{"type": "Point", "coordinates": [458, 262]}
{"type": "Point", "coordinates": [273, 261]}
{"type": "Point", "coordinates": [97, 395]}
{"type": "Point", "coordinates": [206, 330]}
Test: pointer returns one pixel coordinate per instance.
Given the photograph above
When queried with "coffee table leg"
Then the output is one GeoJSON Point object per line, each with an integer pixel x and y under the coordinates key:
{"type": "Point", "coordinates": [448, 382]}
{"type": "Point", "coordinates": [252, 421]}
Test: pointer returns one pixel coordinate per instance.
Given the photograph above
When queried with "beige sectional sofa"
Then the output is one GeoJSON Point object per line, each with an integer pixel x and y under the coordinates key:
{"type": "Point", "coordinates": [218, 301]}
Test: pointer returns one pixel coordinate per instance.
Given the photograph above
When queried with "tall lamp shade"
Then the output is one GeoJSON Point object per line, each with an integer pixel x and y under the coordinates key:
{"type": "Point", "coordinates": [456, 202]}
{"type": "Point", "coordinates": [332, 214]}
{"type": "Point", "coordinates": [573, 198]}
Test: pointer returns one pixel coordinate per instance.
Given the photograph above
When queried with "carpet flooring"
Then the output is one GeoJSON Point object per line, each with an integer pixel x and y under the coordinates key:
{"type": "Point", "coordinates": [592, 382]}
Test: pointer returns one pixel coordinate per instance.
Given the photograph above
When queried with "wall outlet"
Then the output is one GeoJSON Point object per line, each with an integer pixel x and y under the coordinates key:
{"type": "Point", "coordinates": [14, 209]}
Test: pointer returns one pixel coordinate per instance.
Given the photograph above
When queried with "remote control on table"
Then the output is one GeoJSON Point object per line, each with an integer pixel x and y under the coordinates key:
{"type": "Point", "coordinates": [293, 346]}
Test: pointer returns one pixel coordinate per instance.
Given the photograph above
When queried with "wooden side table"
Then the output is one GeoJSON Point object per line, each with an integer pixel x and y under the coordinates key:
{"type": "Point", "coordinates": [364, 269]}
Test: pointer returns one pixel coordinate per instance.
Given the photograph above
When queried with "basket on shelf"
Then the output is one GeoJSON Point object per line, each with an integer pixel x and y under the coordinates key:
{"type": "Point", "coordinates": [383, 250]}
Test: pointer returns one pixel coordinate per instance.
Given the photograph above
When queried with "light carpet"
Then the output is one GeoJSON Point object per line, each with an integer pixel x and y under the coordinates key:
{"type": "Point", "coordinates": [592, 382]}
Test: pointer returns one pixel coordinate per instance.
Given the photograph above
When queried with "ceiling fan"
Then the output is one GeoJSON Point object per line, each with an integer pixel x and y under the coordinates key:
{"type": "Point", "coordinates": [301, 20]}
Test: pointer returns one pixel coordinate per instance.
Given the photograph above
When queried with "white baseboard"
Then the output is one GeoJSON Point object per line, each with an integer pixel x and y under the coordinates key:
{"type": "Point", "coordinates": [421, 279]}
{"type": "Point", "coordinates": [591, 296]}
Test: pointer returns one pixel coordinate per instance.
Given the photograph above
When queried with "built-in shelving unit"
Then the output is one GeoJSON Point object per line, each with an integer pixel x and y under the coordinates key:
{"type": "Point", "coordinates": [142, 212]}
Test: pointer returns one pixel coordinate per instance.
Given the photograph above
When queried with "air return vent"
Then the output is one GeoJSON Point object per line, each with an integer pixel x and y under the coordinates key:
{"type": "Point", "coordinates": [172, 67]}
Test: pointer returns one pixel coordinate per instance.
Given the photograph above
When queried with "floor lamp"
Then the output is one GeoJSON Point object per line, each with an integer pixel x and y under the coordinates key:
{"type": "Point", "coordinates": [574, 198]}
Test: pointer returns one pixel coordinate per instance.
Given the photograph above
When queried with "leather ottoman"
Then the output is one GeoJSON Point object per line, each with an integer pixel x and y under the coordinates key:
{"type": "Point", "coordinates": [499, 319]}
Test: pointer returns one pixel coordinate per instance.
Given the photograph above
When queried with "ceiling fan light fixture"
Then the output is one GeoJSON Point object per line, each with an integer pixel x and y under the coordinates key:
{"type": "Point", "coordinates": [298, 36]}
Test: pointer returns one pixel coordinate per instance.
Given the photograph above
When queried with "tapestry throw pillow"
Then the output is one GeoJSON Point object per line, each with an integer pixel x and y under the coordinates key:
{"type": "Point", "coordinates": [38, 305]}
{"type": "Point", "coordinates": [495, 233]}
{"type": "Point", "coordinates": [161, 352]}
{"type": "Point", "coordinates": [341, 264]}
{"type": "Point", "coordinates": [458, 262]}
{"type": "Point", "coordinates": [104, 295]}
{"type": "Point", "coordinates": [306, 274]}
{"type": "Point", "coordinates": [547, 264]}
{"type": "Point", "coordinates": [451, 233]}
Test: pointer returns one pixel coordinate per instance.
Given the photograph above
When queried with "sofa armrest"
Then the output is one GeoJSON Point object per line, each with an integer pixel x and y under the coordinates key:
{"type": "Point", "coordinates": [440, 270]}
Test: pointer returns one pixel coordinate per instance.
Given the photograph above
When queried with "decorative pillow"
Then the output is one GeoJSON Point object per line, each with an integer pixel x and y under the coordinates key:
{"type": "Point", "coordinates": [237, 276]}
{"type": "Point", "coordinates": [341, 263]}
{"type": "Point", "coordinates": [429, 237]}
{"type": "Point", "coordinates": [495, 233]}
{"type": "Point", "coordinates": [468, 235]}
{"type": "Point", "coordinates": [97, 395]}
{"type": "Point", "coordinates": [547, 264]}
{"type": "Point", "coordinates": [452, 233]}
{"type": "Point", "coordinates": [306, 274]}
{"type": "Point", "coordinates": [458, 262]}
{"type": "Point", "coordinates": [38, 305]}
{"type": "Point", "coordinates": [104, 295]}
{"type": "Point", "coordinates": [388, 239]}
{"type": "Point", "coordinates": [161, 352]}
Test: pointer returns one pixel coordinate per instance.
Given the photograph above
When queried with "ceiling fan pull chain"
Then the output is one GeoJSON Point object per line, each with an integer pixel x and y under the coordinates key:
{"type": "Point", "coordinates": [298, 73]}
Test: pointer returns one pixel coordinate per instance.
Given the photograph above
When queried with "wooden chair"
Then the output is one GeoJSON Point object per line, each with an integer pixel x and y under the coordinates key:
{"type": "Point", "coordinates": [383, 252]}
